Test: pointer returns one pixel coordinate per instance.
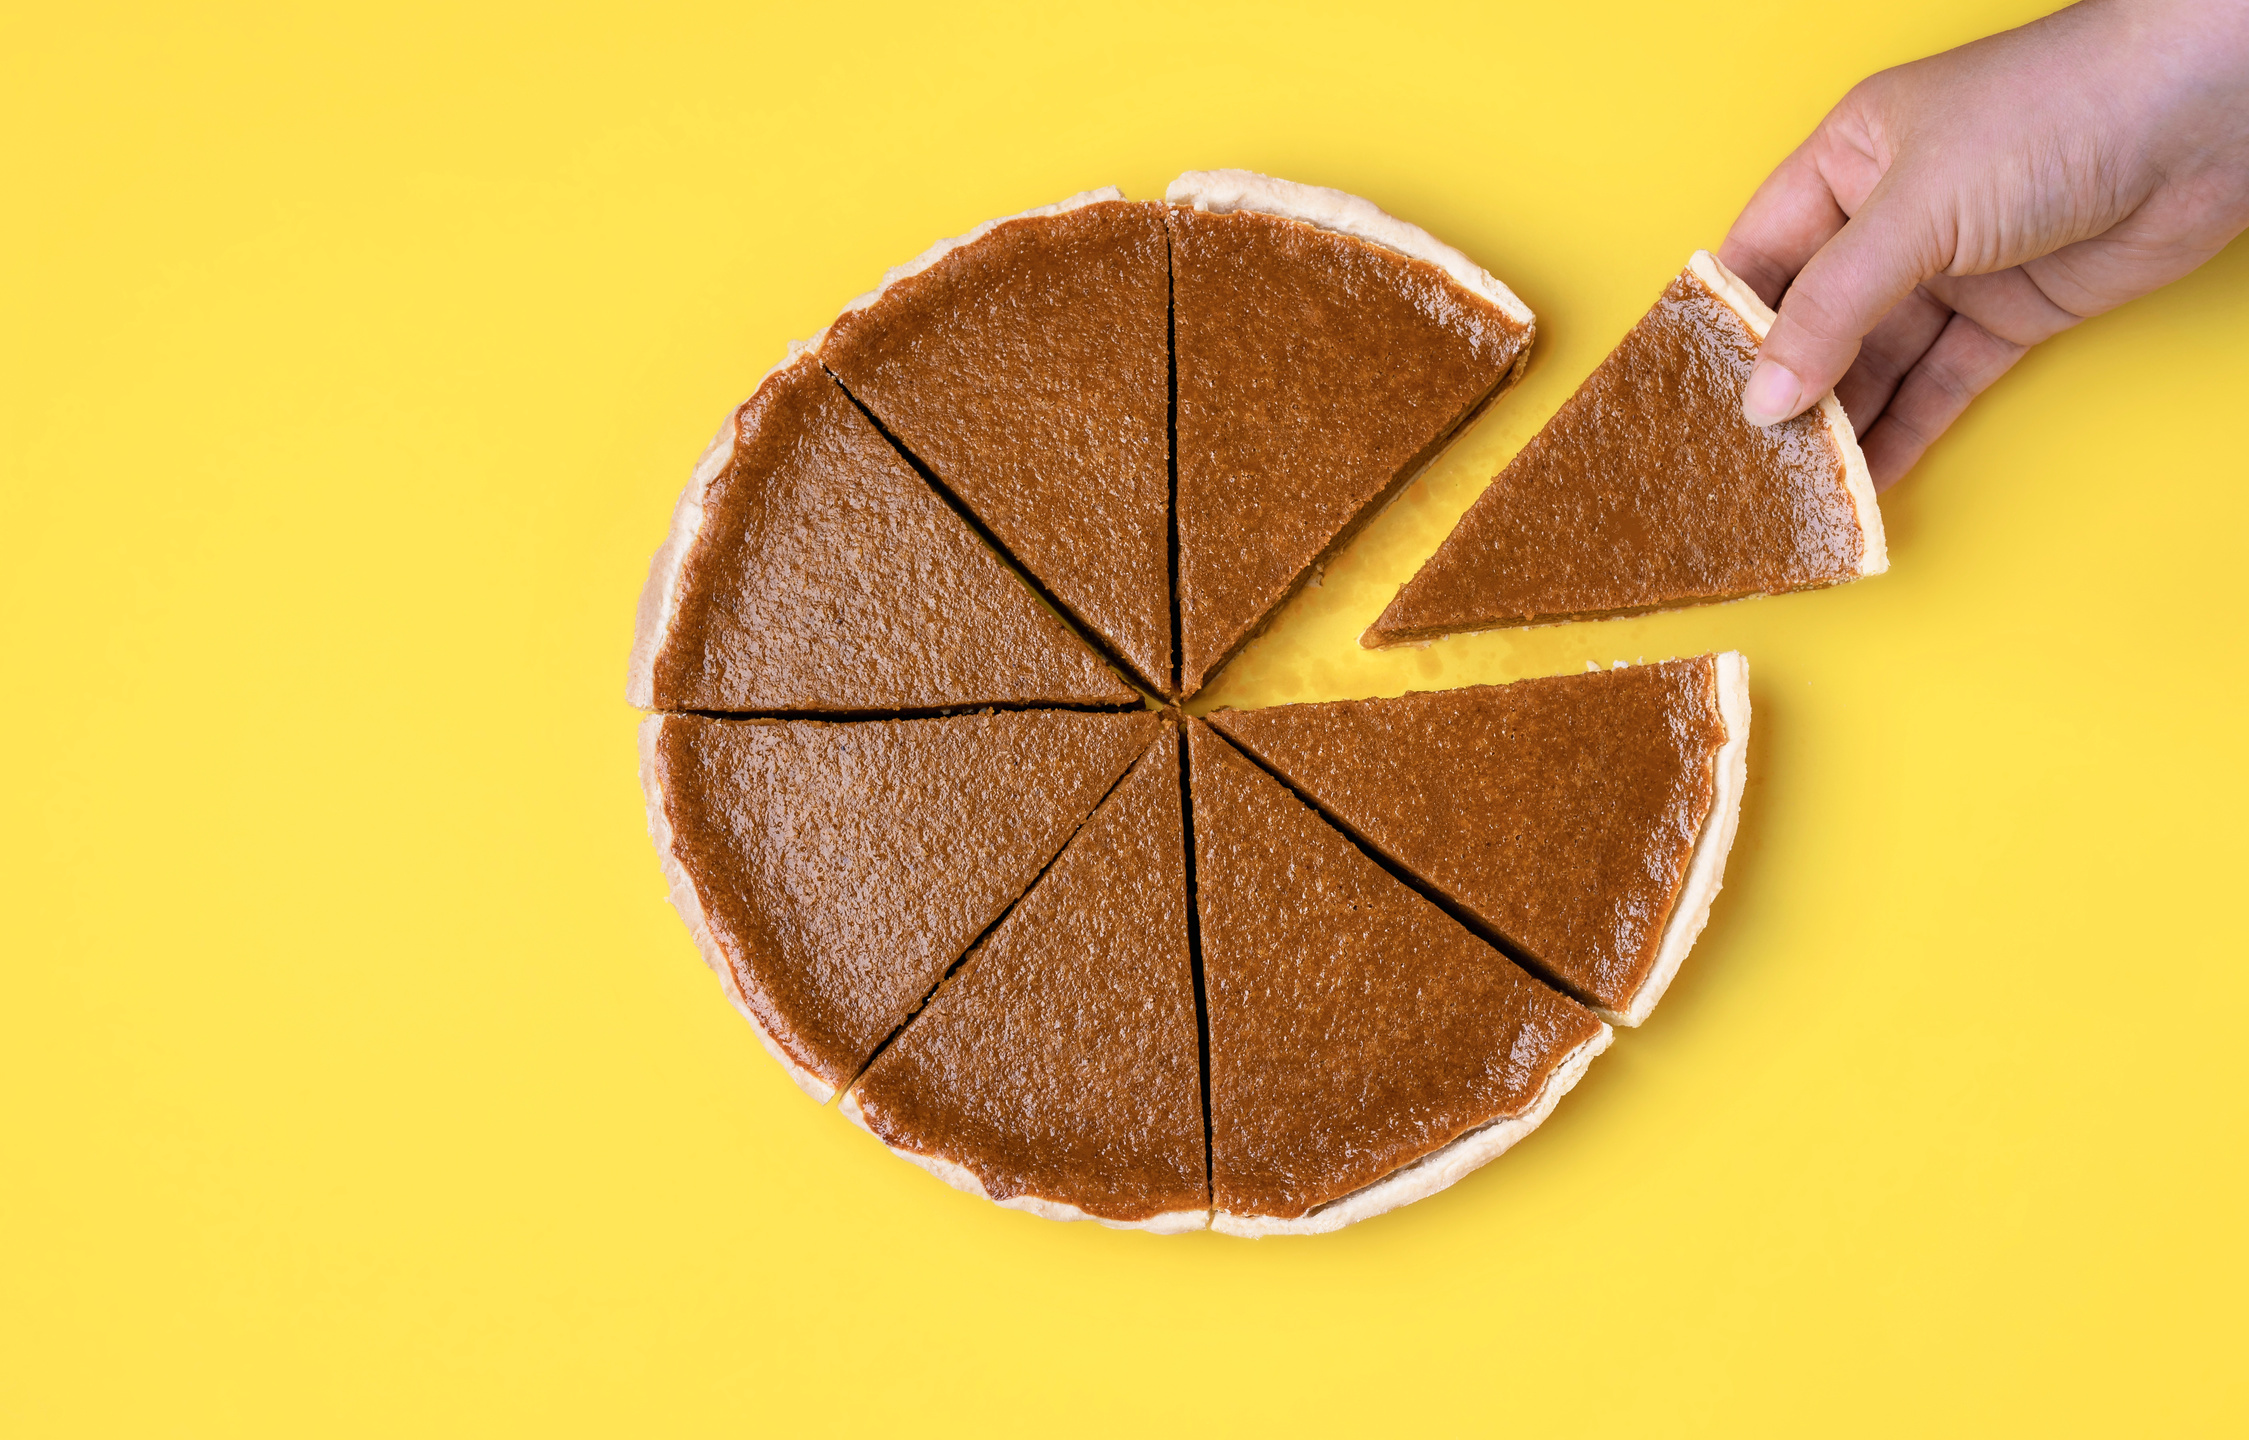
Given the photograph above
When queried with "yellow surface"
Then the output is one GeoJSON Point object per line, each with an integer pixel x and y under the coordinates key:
{"type": "Point", "coordinates": [359, 1081]}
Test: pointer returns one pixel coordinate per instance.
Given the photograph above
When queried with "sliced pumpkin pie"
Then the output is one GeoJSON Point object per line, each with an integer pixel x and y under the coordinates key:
{"type": "Point", "coordinates": [831, 872]}
{"type": "Point", "coordinates": [1583, 818]}
{"type": "Point", "coordinates": [1027, 365]}
{"type": "Point", "coordinates": [810, 569]}
{"type": "Point", "coordinates": [1649, 490]}
{"type": "Point", "coordinates": [1365, 1049]}
{"type": "Point", "coordinates": [1326, 351]}
{"type": "Point", "coordinates": [1058, 1070]}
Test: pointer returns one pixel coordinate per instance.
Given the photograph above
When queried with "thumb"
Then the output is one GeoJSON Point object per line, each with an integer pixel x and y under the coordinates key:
{"type": "Point", "coordinates": [1871, 264]}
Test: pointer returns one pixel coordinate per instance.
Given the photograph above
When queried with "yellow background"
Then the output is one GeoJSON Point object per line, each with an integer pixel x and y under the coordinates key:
{"type": "Point", "coordinates": [358, 1081]}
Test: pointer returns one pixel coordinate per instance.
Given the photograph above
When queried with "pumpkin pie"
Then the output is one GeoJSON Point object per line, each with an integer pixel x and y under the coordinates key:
{"type": "Point", "coordinates": [1366, 1050]}
{"type": "Point", "coordinates": [831, 873]}
{"type": "Point", "coordinates": [1058, 1071]}
{"type": "Point", "coordinates": [1583, 819]}
{"type": "Point", "coordinates": [1325, 352]}
{"type": "Point", "coordinates": [1027, 365]}
{"type": "Point", "coordinates": [809, 569]}
{"type": "Point", "coordinates": [1649, 490]}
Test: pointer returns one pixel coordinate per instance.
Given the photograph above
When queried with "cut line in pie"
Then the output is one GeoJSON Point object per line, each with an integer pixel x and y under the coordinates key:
{"type": "Point", "coordinates": [1056, 1071]}
{"type": "Point", "coordinates": [1581, 821]}
{"type": "Point", "coordinates": [1357, 1032]}
{"type": "Point", "coordinates": [1025, 367]}
{"type": "Point", "coordinates": [810, 570]}
{"type": "Point", "coordinates": [1292, 435]}
{"type": "Point", "coordinates": [925, 800]}
{"type": "Point", "coordinates": [835, 871]}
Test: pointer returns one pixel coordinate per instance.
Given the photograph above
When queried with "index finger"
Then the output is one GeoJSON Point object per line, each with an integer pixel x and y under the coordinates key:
{"type": "Point", "coordinates": [1783, 226]}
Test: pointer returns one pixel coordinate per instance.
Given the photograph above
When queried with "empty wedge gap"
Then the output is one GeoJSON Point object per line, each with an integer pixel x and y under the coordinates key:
{"type": "Point", "coordinates": [983, 532]}
{"type": "Point", "coordinates": [997, 920]}
{"type": "Point", "coordinates": [1460, 913]}
{"type": "Point", "coordinates": [1195, 956]}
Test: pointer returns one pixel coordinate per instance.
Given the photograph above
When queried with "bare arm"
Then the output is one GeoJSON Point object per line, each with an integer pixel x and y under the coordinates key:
{"type": "Point", "coordinates": [1951, 213]}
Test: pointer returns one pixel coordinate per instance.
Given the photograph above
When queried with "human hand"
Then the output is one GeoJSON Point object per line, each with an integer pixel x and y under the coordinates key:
{"type": "Point", "coordinates": [1951, 213]}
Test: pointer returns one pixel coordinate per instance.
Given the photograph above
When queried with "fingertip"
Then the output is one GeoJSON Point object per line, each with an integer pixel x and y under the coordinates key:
{"type": "Point", "coordinates": [1773, 394]}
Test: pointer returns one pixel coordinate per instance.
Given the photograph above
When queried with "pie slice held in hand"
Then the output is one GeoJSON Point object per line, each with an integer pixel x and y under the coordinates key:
{"type": "Point", "coordinates": [1583, 818]}
{"type": "Point", "coordinates": [1058, 1071]}
{"type": "Point", "coordinates": [1027, 364]}
{"type": "Point", "coordinates": [809, 569]}
{"type": "Point", "coordinates": [1648, 489]}
{"type": "Point", "coordinates": [1326, 352]}
{"type": "Point", "coordinates": [831, 873]}
{"type": "Point", "coordinates": [1365, 1049]}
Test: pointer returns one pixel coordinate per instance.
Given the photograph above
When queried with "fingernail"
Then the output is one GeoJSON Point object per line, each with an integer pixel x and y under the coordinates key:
{"type": "Point", "coordinates": [1771, 395]}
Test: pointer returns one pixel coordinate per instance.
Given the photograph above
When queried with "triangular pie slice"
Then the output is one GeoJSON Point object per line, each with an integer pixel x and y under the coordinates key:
{"type": "Point", "coordinates": [1027, 364]}
{"type": "Point", "coordinates": [1326, 351]}
{"type": "Point", "coordinates": [1583, 818]}
{"type": "Point", "coordinates": [1058, 1070]}
{"type": "Point", "coordinates": [830, 873]}
{"type": "Point", "coordinates": [1648, 490]}
{"type": "Point", "coordinates": [1365, 1049]}
{"type": "Point", "coordinates": [809, 569]}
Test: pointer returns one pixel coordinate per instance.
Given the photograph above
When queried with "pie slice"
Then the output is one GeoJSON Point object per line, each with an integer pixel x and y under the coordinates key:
{"type": "Point", "coordinates": [831, 872]}
{"type": "Point", "coordinates": [1365, 1049]}
{"type": "Point", "coordinates": [1585, 818]}
{"type": "Point", "coordinates": [1648, 490]}
{"type": "Point", "coordinates": [1058, 1071]}
{"type": "Point", "coordinates": [1027, 365]}
{"type": "Point", "coordinates": [810, 569]}
{"type": "Point", "coordinates": [1326, 352]}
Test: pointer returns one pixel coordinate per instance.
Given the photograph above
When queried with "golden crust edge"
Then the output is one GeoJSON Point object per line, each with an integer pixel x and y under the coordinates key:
{"type": "Point", "coordinates": [1439, 1170]}
{"type": "Point", "coordinates": [688, 901]}
{"type": "Point", "coordinates": [942, 248]}
{"type": "Point", "coordinates": [1874, 547]}
{"type": "Point", "coordinates": [1706, 864]}
{"type": "Point", "coordinates": [1222, 191]}
{"type": "Point", "coordinates": [960, 1177]}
